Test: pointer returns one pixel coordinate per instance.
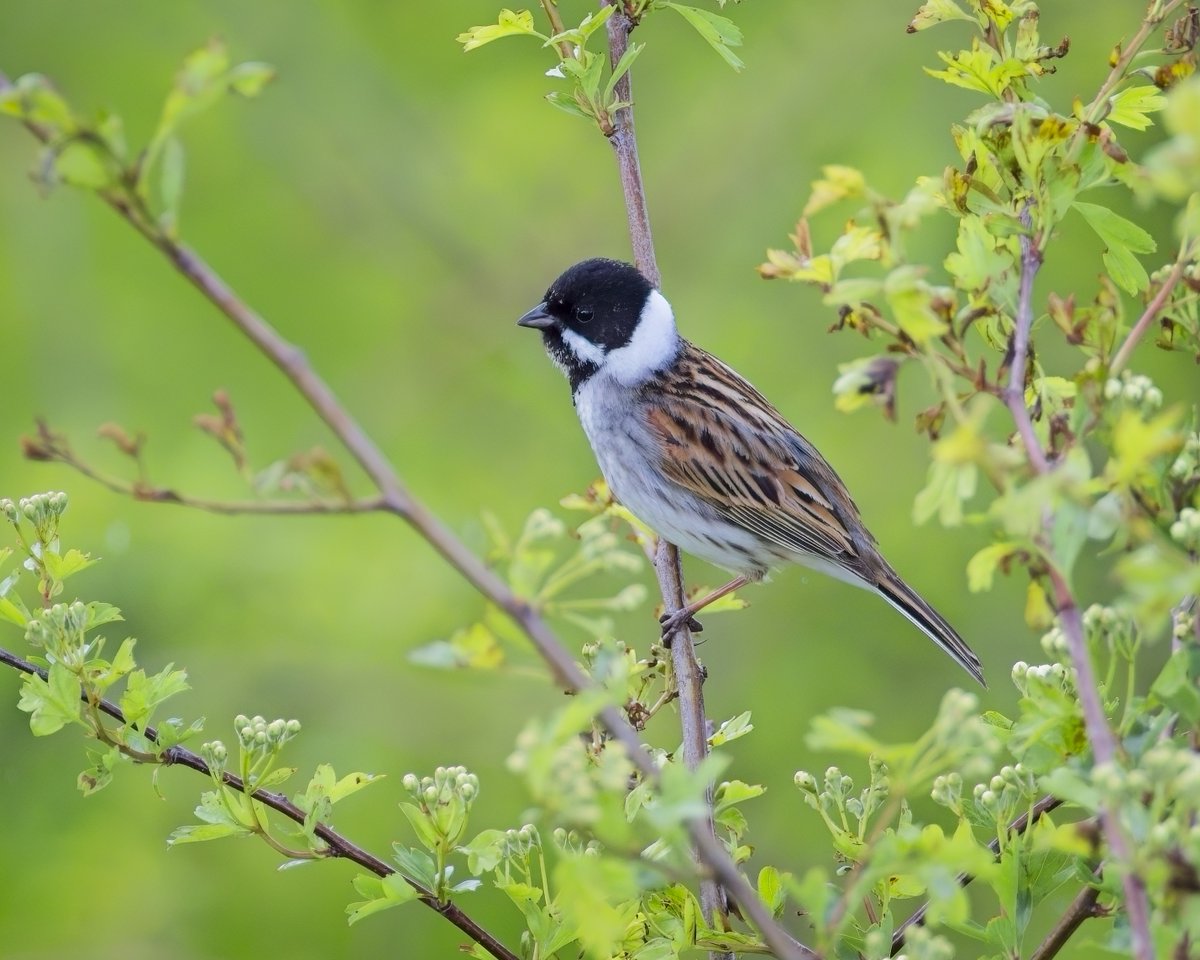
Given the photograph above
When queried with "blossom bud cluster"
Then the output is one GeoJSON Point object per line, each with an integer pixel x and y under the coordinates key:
{"type": "Point", "coordinates": [1006, 792]}
{"type": "Point", "coordinates": [572, 841]}
{"type": "Point", "coordinates": [43, 510]}
{"type": "Point", "coordinates": [1027, 678]}
{"type": "Point", "coordinates": [1135, 390]}
{"type": "Point", "coordinates": [1187, 463]}
{"type": "Point", "coordinates": [256, 734]}
{"type": "Point", "coordinates": [1186, 530]}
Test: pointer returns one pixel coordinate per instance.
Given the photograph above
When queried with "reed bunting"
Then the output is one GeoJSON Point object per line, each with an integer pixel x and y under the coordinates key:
{"type": "Point", "coordinates": [699, 455]}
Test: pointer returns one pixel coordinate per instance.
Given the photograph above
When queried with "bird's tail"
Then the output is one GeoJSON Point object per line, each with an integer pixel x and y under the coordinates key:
{"type": "Point", "coordinates": [905, 599]}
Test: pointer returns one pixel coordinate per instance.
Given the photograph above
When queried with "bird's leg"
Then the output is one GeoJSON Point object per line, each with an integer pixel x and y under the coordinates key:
{"type": "Point", "coordinates": [673, 621]}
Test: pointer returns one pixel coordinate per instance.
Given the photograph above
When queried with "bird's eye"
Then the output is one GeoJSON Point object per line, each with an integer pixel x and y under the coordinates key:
{"type": "Point", "coordinates": [583, 314]}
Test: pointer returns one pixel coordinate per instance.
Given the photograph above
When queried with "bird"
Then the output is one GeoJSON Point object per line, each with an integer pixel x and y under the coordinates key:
{"type": "Point", "coordinates": [700, 456]}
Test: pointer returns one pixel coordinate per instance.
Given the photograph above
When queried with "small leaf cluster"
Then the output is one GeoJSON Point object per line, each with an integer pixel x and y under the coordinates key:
{"type": "Point", "coordinates": [885, 853]}
{"type": "Point", "coordinates": [94, 154]}
{"type": "Point", "coordinates": [593, 85]}
{"type": "Point", "coordinates": [311, 475]}
{"type": "Point", "coordinates": [1025, 173]}
{"type": "Point", "coordinates": [75, 675]}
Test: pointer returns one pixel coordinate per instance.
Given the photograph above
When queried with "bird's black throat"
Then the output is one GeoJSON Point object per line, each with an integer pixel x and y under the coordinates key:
{"type": "Point", "coordinates": [577, 371]}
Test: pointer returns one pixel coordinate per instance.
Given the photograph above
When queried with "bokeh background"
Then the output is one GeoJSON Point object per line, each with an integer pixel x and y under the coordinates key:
{"type": "Point", "coordinates": [393, 205]}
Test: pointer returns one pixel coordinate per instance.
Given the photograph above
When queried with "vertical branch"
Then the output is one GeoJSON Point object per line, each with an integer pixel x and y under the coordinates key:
{"type": "Point", "coordinates": [1099, 733]}
{"type": "Point", "coordinates": [1014, 393]}
{"type": "Point", "coordinates": [624, 141]}
{"type": "Point", "coordinates": [688, 678]}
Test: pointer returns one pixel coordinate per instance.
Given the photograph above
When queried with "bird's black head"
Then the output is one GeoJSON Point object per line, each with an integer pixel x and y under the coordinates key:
{"type": "Point", "coordinates": [603, 314]}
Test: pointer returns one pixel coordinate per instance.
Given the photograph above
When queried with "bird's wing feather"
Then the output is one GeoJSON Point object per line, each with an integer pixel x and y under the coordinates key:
{"type": "Point", "coordinates": [721, 440]}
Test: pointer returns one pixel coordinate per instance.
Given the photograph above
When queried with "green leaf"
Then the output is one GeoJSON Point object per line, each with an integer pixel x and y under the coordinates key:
{"type": "Point", "coordinates": [1130, 106]}
{"type": "Point", "coordinates": [731, 730]}
{"type": "Point", "coordinates": [1176, 686]}
{"type": "Point", "coordinates": [587, 889]}
{"type": "Point", "coordinates": [718, 32]}
{"type": "Point", "coordinates": [977, 264]}
{"type": "Point", "coordinates": [198, 833]}
{"type": "Point", "coordinates": [99, 613]}
{"type": "Point", "coordinates": [34, 98]}
{"type": "Point", "coordinates": [216, 821]}
{"type": "Point", "coordinates": [61, 567]}
{"type": "Point", "coordinates": [770, 890]}
{"type": "Point", "coordinates": [144, 694]}
{"type": "Point", "coordinates": [981, 568]}
{"type": "Point", "coordinates": [381, 893]}
{"type": "Point", "coordinates": [82, 163]}
{"type": "Point", "coordinates": [1123, 239]}
{"type": "Point", "coordinates": [415, 864]}
{"type": "Point", "coordinates": [485, 851]}
{"type": "Point", "coordinates": [578, 36]}
{"type": "Point", "coordinates": [912, 302]}
{"type": "Point", "coordinates": [509, 24]}
{"type": "Point", "coordinates": [51, 703]}
{"type": "Point", "coordinates": [933, 12]}
{"type": "Point", "coordinates": [567, 104]}
{"type": "Point", "coordinates": [99, 774]}
{"type": "Point", "coordinates": [352, 783]}
{"type": "Point", "coordinates": [170, 183]}
{"type": "Point", "coordinates": [248, 79]}
{"type": "Point", "coordinates": [622, 66]}
{"type": "Point", "coordinates": [14, 611]}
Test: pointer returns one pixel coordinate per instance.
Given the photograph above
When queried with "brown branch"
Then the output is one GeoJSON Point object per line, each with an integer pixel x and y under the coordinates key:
{"type": "Point", "coordinates": [688, 679]}
{"type": "Point", "coordinates": [1150, 314]}
{"type": "Point", "coordinates": [556, 27]}
{"type": "Point", "coordinates": [291, 361]}
{"type": "Point", "coordinates": [1014, 393]}
{"type": "Point", "coordinates": [1104, 752]}
{"type": "Point", "coordinates": [1017, 827]}
{"type": "Point", "coordinates": [1100, 734]}
{"type": "Point", "coordinates": [1096, 110]}
{"type": "Point", "coordinates": [624, 142]}
{"type": "Point", "coordinates": [338, 845]}
{"type": "Point", "coordinates": [49, 447]}
{"type": "Point", "coordinates": [1083, 907]}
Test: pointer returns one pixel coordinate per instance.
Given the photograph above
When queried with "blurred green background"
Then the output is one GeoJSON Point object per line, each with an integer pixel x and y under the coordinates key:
{"type": "Point", "coordinates": [392, 206]}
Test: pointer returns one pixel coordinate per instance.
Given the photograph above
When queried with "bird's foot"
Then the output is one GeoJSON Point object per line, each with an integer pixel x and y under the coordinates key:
{"type": "Point", "coordinates": [671, 622]}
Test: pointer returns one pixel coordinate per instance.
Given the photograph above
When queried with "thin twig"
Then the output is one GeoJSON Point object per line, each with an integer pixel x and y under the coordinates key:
{"type": "Point", "coordinates": [1016, 828]}
{"type": "Point", "coordinates": [1097, 108]}
{"type": "Point", "coordinates": [145, 493]}
{"type": "Point", "coordinates": [291, 361]}
{"type": "Point", "coordinates": [338, 845]}
{"type": "Point", "coordinates": [1083, 907]}
{"type": "Point", "coordinates": [1014, 393]}
{"type": "Point", "coordinates": [556, 27]}
{"type": "Point", "coordinates": [1150, 314]}
{"type": "Point", "coordinates": [688, 678]}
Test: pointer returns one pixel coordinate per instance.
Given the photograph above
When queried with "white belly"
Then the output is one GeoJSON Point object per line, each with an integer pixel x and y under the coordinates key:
{"type": "Point", "coordinates": [627, 453]}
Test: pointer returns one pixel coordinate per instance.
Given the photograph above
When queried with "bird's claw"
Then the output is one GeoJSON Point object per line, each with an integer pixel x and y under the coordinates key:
{"type": "Point", "coordinates": [673, 621]}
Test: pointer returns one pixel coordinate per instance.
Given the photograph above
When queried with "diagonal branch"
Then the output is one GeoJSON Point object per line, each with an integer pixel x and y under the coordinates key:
{"type": "Point", "coordinates": [291, 361]}
{"type": "Point", "coordinates": [1083, 907]}
{"type": "Point", "coordinates": [1016, 828]}
{"type": "Point", "coordinates": [51, 447]}
{"type": "Point", "coordinates": [1150, 314]}
{"type": "Point", "coordinates": [339, 846]}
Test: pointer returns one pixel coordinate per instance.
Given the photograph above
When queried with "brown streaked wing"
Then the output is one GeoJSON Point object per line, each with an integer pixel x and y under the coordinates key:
{"type": "Point", "coordinates": [722, 440]}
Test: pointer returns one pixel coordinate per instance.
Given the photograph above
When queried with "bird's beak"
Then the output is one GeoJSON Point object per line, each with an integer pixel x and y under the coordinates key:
{"type": "Point", "coordinates": [537, 318]}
